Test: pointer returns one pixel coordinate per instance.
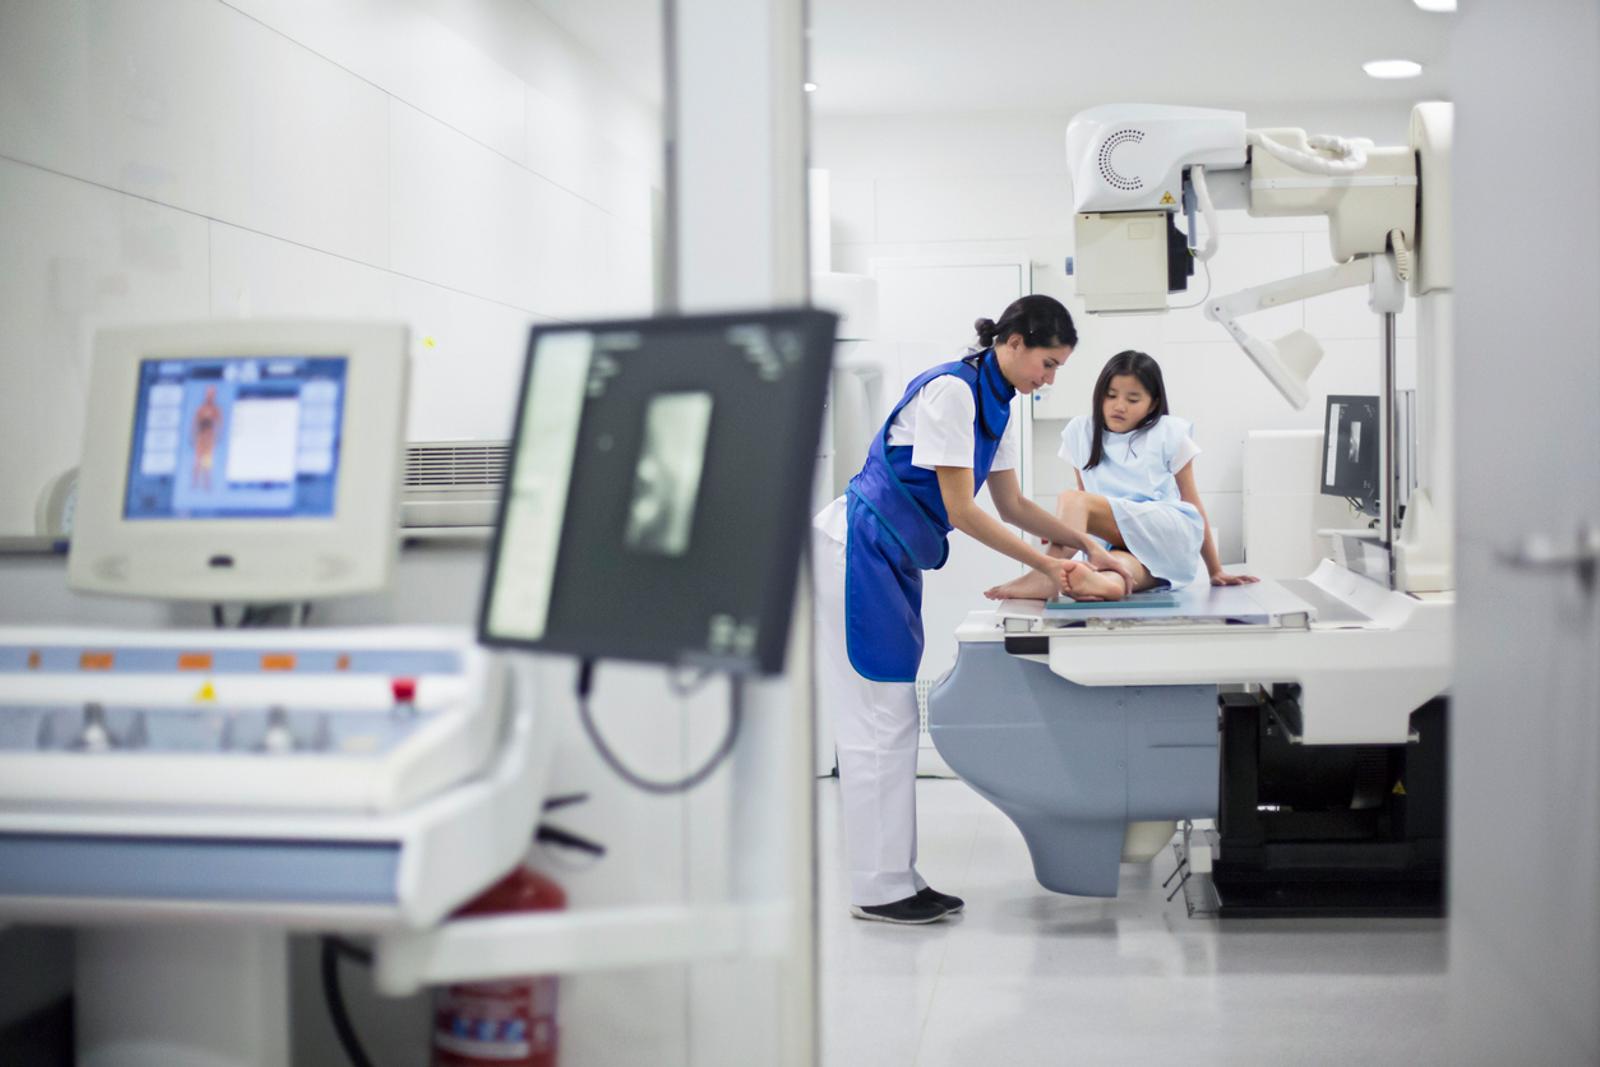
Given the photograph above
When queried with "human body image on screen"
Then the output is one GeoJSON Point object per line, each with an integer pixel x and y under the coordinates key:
{"type": "Point", "coordinates": [216, 437]}
{"type": "Point", "coordinates": [204, 428]}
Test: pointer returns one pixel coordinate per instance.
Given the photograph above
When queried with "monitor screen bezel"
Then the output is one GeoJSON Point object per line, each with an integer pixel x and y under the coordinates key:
{"type": "Point", "coordinates": [254, 560]}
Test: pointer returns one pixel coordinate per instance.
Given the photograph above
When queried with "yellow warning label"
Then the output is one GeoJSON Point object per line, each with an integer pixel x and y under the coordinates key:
{"type": "Point", "coordinates": [206, 692]}
{"type": "Point", "coordinates": [1399, 789]}
{"type": "Point", "coordinates": [1166, 200]}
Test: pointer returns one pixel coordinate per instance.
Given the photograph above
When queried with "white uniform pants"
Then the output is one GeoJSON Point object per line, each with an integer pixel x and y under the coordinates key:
{"type": "Point", "coordinates": [875, 732]}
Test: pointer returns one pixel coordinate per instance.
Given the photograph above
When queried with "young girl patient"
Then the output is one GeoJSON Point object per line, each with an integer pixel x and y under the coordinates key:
{"type": "Point", "coordinates": [1135, 491]}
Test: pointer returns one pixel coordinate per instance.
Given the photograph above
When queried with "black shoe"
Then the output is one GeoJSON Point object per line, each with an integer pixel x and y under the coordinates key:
{"type": "Point", "coordinates": [912, 911]}
{"type": "Point", "coordinates": [950, 904]}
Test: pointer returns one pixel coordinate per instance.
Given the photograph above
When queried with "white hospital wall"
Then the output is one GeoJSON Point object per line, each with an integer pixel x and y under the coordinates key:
{"type": "Point", "coordinates": [920, 186]}
{"type": "Point", "coordinates": [463, 166]}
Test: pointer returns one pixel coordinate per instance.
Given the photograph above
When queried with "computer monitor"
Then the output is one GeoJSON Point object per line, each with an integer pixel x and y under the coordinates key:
{"type": "Point", "coordinates": [1350, 445]}
{"type": "Point", "coordinates": [241, 461]}
{"type": "Point", "coordinates": [658, 494]}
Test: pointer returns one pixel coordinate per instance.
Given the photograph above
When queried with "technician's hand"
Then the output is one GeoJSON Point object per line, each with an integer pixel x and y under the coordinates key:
{"type": "Point", "coordinates": [1224, 578]}
{"type": "Point", "coordinates": [1056, 570]}
{"type": "Point", "coordinates": [1101, 560]}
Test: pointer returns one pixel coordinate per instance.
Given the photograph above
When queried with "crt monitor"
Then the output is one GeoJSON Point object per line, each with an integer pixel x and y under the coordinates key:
{"type": "Point", "coordinates": [658, 495]}
{"type": "Point", "coordinates": [241, 461]}
{"type": "Point", "coordinates": [1350, 446]}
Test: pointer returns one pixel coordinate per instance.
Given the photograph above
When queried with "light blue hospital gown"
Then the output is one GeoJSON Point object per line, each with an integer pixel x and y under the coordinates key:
{"type": "Point", "coordinates": [1135, 474]}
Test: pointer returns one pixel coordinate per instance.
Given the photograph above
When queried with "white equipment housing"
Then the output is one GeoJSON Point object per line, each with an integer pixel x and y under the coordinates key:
{"type": "Point", "coordinates": [188, 797]}
{"type": "Point", "coordinates": [1132, 157]}
{"type": "Point", "coordinates": [348, 548]}
{"type": "Point", "coordinates": [1363, 209]}
{"type": "Point", "coordinates": [309, 779]}
{"type": "Point", "coordinates": [1128, 171]}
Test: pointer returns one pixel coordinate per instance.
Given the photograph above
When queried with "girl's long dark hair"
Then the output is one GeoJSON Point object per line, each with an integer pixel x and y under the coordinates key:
{"type": "Point", "coordinates": [1140, 366]}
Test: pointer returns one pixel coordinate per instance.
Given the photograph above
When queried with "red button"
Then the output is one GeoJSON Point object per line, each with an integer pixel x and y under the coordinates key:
{"type": "Point", "coordinates": [405, 689]}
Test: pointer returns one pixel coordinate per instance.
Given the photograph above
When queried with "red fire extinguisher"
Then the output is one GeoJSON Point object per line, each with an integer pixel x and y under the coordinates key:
{"type": "Point", "coordinates": [510, 1023]}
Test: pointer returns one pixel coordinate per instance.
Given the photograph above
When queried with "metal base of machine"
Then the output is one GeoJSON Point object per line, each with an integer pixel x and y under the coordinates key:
{"type": "Point", "coordinates": [1280, 899]}
{"type": "Point", "coordinates": [1313, 830]}
{"type": "Point", "coordinates": [1330, 900]}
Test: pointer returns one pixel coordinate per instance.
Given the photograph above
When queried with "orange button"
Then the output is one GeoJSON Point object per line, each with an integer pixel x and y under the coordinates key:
{"type": "Point", "coordinates": [343, 662]}
{"type": "Point", "coordinates": [279, 661]}
{"type": "Point", "coordinates": [95, 661]}
{"type": "Point", "coordinates": [34, 659]}
{"type": "Point", "coordinates": [194, 661]}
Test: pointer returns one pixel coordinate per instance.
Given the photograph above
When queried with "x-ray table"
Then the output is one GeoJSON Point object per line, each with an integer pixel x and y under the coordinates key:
{"type": "Point", "coordinates": [1121, 725]}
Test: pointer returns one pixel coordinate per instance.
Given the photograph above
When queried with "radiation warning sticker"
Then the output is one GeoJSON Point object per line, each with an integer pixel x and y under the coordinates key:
{"type": "Point", "coordinates": [1399, 789]}
{"type": "Point", "coordinates": [1166, 200]}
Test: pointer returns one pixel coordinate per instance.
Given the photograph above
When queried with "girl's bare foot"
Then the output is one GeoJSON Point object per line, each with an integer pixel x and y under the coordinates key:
{"type": "Point", "coordinates": [1033, 585]}
{"type": "Point", "coordinates": [1086, 583]}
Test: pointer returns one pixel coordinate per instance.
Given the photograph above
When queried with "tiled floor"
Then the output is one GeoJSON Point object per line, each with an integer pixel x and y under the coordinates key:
{"type": "Point", "coordinates": [1027, 977]}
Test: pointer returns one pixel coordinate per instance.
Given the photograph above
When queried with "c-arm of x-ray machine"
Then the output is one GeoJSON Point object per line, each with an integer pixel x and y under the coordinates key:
{"type": "Point", "coordinates": [1331, 687]}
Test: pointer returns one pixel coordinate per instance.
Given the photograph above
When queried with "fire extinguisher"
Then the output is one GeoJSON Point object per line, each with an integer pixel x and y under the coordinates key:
{"type": "Point", "coordinates": [510, 1023]}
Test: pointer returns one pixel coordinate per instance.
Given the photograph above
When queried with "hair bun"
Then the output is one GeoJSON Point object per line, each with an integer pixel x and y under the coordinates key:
{"type": "Point", "coordinates": [986, 329]}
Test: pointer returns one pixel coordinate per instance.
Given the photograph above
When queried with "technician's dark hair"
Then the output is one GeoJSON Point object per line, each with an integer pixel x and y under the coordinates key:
{"type": "Point", "coordinates": [1140, 366]}
{"type": "Point", "coordinates": [1040, 319]}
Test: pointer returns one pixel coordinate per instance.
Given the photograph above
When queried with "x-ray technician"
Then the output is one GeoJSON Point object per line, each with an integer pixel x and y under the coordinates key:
{"type": "Point", "coordinates": [947, 436]}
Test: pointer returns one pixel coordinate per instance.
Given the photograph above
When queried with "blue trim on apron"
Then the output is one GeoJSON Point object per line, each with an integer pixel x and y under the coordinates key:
{"type": "Point", "coordinates": [898, 527]}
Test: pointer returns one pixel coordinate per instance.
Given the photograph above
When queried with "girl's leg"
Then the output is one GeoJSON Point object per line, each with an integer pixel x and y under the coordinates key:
{"type": "Point", "coordinates": [1085, 512]}
{"type": "Point", "coordinates": [1085, 583]}
{"type": "Point", "coordinates": [1089, 513]}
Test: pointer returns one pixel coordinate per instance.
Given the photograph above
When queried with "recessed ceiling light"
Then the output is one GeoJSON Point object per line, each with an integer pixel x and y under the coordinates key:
{"type": "Point", "coordinates": [811, 87]}
{"type": "Point", "coordinates": [1437, 5]}
{"type": "Point", "coordinates": [1392, 68]}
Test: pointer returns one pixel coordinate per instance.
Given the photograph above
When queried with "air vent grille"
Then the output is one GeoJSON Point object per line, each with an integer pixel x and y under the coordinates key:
{"type": "Point", "coordinates": [456, 464]}
{"type": "Point", "coordinates": [1109, 172]}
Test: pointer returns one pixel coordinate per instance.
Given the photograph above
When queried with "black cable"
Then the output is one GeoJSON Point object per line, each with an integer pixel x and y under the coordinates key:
{"type": "Point", "coordinates": [563, 800]}
{"type": "Point", "coordinates": [337, 1011]}
{"type": "Point", "coordinates": [352, 951]}
{"type": "Point", "coordinates": [651, 785]}
{"type": "Point", "coordinates": [217, 618]}
{"type": "Point", "coordinates": [555, 835]}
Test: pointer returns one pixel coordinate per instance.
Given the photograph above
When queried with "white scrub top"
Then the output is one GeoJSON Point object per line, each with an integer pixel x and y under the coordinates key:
{"type": "Point", "coordinates": [1136, 475]}
{"type": "Point", "coordinates": [938, 425]}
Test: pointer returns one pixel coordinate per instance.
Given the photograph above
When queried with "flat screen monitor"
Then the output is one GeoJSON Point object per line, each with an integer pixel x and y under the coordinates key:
{"type": "Point", "coordinates": [238, 437]}
{"type": "Point", "coordinates": [241, 461]}
{"type": "Point", "coordinates": [1350, 447]}
{"type": "Point", "coordinates": [658, 495]}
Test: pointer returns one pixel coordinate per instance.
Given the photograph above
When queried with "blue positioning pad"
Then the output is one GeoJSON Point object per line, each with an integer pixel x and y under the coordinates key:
{"type": "Point", "coordinates": [1156, 598]}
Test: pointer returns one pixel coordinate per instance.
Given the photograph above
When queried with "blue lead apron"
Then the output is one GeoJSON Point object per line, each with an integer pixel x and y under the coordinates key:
{"type": "Point", "coordinates": [899, 527]}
